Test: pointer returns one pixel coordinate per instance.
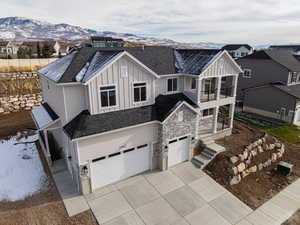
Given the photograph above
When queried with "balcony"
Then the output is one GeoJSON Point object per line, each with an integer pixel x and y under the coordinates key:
{"type": "Point", "coordinates": [208, 95]}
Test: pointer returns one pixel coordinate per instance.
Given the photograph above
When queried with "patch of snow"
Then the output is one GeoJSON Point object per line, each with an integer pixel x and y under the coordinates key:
{"type": "Point", "coordinates": [41, 116]}
{"type": "Point", "coordinates": [82, 72]}
{"type": "Point", "coordinates": [20, 178]}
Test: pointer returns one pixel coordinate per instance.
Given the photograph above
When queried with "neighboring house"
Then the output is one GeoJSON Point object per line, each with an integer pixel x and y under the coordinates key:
{"type": "Point", "coordinates": [270, 71]}
{"type": "Point", "coordinates": [238, 50]}
{"type": "Point", "coordinates": [8, 50]}
{"type": "Point", "coordinates": [118, 112]}
{"type": "Point", "coordinates": [103, 42]}
{"type": "Point", "coordinates": [275, 101]}
{"type": "Point", "coordinates": [295, 49]}
{"type": "Point", "coordinates": [34, 49]}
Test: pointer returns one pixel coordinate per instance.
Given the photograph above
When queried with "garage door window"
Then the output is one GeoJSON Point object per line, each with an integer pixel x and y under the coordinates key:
{"type": "Point", "coordinates": [115, 154]}
{"type": "Point", "coordinates": [129, 150]}
{"type": "Point", "coordinates": [142, 146]}
{"type": "Point", "coordinates": [98, 159]}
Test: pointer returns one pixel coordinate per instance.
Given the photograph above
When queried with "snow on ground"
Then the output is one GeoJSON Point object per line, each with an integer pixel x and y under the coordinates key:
{"type": "Point", "coordinates": [21, 172]}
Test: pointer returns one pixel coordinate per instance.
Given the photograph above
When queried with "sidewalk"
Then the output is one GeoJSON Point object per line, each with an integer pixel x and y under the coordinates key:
{"type": "Point", "coordinates": [278, 209]}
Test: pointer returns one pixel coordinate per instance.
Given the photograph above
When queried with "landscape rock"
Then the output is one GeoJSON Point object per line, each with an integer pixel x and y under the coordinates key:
{"type": "Point", "coordinates": [253, 169]}
{"type": "Point", "coordinates": [241, 167]}
{"type": "Point", "coordinates": [234, 159]}
{"type": "Point", "coordinates": [235, 180]}
{"type": "Point", "coordinates": [260, 149]}
{"type": "Point", "coordinates": [274, 157]}
{"type": "Point", "coordinates": [233, 171]}
{"type": "Point", "coordinates": [260, 166]}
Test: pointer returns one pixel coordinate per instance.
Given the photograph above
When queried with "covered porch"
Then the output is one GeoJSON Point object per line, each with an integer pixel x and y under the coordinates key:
{"type": "Point", "coordinates": [215, 120]}
{"type": "Point", "coordinates": [47, 121]}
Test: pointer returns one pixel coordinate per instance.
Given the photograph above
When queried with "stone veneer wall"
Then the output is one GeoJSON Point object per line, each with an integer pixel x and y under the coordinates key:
{"type": "Point", "coordinates": [18, 103]}
{"type": "Point", "coordinates": [245, 163]}
{"type": "Point", "coordinates": [173, 128]}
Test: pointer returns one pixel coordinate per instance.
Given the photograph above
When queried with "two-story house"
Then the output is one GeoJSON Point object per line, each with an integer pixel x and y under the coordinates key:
{"type": "Point", "coordinates": [270, 84]}
{"type": "Point", "coordinates": [238, 50]}
{"type": "Point", "coordinates": [119, 112]}
{"type": "Point", "coordinates": [8, 49]}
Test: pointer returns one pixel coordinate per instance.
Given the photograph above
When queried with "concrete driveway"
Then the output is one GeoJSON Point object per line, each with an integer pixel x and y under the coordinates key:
{"type": "Point", "coordinates": [183, 195]}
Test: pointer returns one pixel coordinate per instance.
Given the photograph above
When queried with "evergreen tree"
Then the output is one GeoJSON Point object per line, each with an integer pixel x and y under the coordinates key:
{"type": "Point", "coordinates": [47, 50]}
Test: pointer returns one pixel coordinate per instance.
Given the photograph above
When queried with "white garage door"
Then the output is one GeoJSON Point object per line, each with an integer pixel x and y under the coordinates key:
{"type": "Point", "coordinates": [178, 151]}
{"type": "Point", "coordinates": [118, 166]}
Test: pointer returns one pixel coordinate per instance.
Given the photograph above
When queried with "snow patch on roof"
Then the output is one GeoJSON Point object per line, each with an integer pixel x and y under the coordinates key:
{"type": "Point", "coordinates": [56, 69]}
{"type": "Point", "coordinates": [82, 72]}
{"type": "Point", "coordinates": [41, 116]}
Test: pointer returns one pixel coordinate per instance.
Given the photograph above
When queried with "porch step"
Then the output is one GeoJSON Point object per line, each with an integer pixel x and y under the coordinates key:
{"type": "Point", "coordinates": [209, 153]}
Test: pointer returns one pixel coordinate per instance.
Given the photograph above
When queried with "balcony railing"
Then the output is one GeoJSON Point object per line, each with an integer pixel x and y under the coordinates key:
{"type": "Point", "coordinates": [226, 92]}
{"type": "Point", "coordinates": [208, 95]}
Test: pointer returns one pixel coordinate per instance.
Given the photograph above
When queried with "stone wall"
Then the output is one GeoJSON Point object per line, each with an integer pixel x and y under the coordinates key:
{"type": "Point", "coordinates": [18, 103]}
{"type": "Point", "coordinates": [17, 75]}
{"type": "Point", "coordinates": [246, 162]}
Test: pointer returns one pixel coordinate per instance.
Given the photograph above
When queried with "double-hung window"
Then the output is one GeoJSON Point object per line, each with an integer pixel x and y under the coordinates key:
{"type": "Point", "coordinates": [194, 84]}
{"type": "Point", "coordinates": [140, 92]}
{"type": "Point", "coordinates": [293, 77]}
{"type": "Point", "coordinates": [247, 73]}
{"type": "Point", "coordinates": [108, 96]}
{"type": "Point", "coordinates": [172, 84]}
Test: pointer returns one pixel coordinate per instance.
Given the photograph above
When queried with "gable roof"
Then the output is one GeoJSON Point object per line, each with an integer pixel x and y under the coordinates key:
{"type": "Point", "coordinates": [233, 47]}
{"type": "Point", "coordinates": [158, 59]}
{"type": "Point", "coordinates": [293, 90]}
{"type": "Point", "coordinates": [282, 57]}
{"type": "Point", "coordinates": [193, 61]}
{"type": "Point", "coordinates": [86, 124]}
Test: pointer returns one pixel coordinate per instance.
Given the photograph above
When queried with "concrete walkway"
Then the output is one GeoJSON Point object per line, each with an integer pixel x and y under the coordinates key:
{"type": "Point", "coordinates": [74, 203]}
{"type": "Point", "coordinates": [278, 209]}
{"type": "Point", "coordinates": [183, 195]}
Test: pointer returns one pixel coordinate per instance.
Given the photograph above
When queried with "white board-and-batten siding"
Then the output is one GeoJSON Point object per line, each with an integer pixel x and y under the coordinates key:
{"type": "Point", "coordinates": [221, 67]}
{"type": "Point", "coordinates": [124, 86]}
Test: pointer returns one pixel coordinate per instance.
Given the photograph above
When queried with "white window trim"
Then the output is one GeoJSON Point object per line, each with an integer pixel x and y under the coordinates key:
{"type": "Point", "coordinates": [121, 70]}
{"type": "Point", "coordinates": [171, 78]}
{"type": "Point", "coordinates": [193, 89]}
{"type": "Point", "coordinates": [250, 72]}
{"type": "Point", "coordinates": [140, 102]}
{"type": "Point", "coordinates": [99, 94]}
{"type": "Point", "coordinates": [208, 116]}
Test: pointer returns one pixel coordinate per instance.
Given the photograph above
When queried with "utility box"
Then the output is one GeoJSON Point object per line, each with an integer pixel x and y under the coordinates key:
{"type": "Point", "coordinates": [284, 168]}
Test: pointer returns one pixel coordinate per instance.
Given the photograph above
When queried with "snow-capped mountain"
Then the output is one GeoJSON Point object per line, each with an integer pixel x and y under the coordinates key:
{"type": "Point", "coordinates": [21, 29]}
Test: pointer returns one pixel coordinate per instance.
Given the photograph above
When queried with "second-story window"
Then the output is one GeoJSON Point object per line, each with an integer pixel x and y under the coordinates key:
{"type": "Point", "coordinates": [247, 73]}
{"type": "Point", "coordinates": [293, 77]}
{"type": "Point", "coordinates": [140, 92]}
{"type": "Point", "coordinates": [172, 84]}
{"type": "Point", "coordinates": [193, 84]}
{"type": "Point", "coordinates": [108, 96]}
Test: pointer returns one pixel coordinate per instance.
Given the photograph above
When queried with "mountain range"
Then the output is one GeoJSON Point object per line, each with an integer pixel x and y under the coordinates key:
{"type": "Point", "coordinates": [25, 29]}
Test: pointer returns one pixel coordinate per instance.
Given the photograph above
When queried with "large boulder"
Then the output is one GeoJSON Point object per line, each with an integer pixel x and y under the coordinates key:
{"type": "Point", "coordinates": [235, 180]}
{"type": "Point", "coordinates": [253, 169]}
{"type": "Point", "coordinates": [241, 167]}
{"type": "Point", "coordinates": [233, 170]}
{"type": "Point", "coordinates": [234, 159]}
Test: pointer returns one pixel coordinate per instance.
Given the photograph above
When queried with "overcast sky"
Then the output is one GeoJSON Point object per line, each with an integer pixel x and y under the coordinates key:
{"type": "Point", "coordinates": [223, 21]}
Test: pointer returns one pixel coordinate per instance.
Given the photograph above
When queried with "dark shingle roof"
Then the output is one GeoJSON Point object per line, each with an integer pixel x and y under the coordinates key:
{"type": "Point", "coordinates": [235, 47]}
{"type": "Point", "coordinates": [293, 90]}
{"type": "Point", "coordinates": [165, 104]}
{"type": "Point", "coordinates": [283, 57]}
{"type": "Point", "coordinates": [161, 60]}
{"type": "Point", "coordinates": [50, 111]}
{"type": "Point", "coordinates": [86, 124]}
{"type": "Point", "coordinates": [193, 61]}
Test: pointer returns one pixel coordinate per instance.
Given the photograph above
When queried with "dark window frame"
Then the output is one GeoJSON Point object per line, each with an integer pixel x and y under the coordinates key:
{"type": "Point", "coordinates": [172, 84]}
{"type": "Point", "coordinates": [108, 96]}
{"type": "Point", "coordinates": [140, 92]}
{"type": "Point", "coordinates": [194, 84]}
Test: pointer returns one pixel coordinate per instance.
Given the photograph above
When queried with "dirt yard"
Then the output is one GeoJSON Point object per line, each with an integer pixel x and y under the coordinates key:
{"type": "Point", "coordinates": [45, 208]}
{"type": "Point", "coordinates": [294, 220]}
{"type": "Point", "coordinates": [256, 188]}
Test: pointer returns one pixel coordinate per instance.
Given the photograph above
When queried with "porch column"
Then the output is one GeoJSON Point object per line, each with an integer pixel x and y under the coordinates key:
{"type": "Point", "coordinates": [219, 83]}
{"type": "Point", "coordinates": [47, 146]}
{"type": "Point", "coordinates": [199, 88]}
{"type": "Point", "coordinates": [215, 120]}
{"type": "Point", "coordinates": [234, 85]}
{"type": "Point", "coordinates": [231, 114]}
